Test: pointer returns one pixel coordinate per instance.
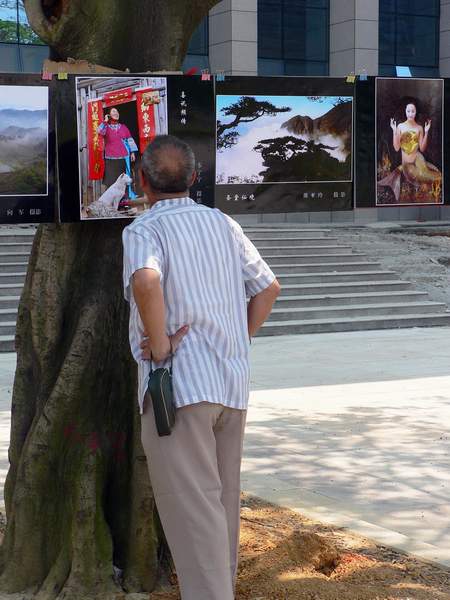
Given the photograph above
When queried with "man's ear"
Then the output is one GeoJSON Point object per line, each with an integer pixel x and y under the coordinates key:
{"type": "Point", "coordinates": [193, 178]}
{"type": "Point", "coordinates": [142, 179]}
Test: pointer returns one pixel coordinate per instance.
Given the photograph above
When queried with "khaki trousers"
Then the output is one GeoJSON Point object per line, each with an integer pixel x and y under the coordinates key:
{"type": "Point", "coordinates": [195, 474]}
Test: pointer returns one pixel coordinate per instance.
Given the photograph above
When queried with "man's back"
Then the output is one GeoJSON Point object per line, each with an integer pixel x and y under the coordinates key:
{"type": "Point", "coordinates": [205, 266]}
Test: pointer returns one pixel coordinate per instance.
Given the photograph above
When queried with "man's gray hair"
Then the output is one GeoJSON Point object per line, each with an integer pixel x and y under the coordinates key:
{"type": "Point", "coordinates": [168, 164]}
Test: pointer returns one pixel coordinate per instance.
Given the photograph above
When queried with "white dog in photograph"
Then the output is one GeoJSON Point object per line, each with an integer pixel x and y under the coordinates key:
{"type": "Point", "coordinates": [108, 203]}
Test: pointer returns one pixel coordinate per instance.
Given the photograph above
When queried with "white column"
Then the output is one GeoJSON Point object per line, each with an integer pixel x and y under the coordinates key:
{"type": "Point", "coordinates": [233, 37]}
{"type": "Point", "coordinates": [353, 37]}
{"type": "Point", "coordinates": [444, 43]}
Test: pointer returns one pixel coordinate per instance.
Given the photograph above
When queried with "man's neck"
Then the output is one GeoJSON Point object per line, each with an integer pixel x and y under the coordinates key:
{"type": "Point", "coordinates": [158, 197]}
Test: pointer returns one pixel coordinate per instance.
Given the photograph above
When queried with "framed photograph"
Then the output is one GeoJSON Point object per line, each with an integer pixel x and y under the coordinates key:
{"type": "Point", "coordinates": [409, 141]}
{"type": "Point", "coordinates": [26, 150]}
{"type": "Point", "coordinates": [106, 124]}
{"type": "Point", "coordinates": [284, 144]}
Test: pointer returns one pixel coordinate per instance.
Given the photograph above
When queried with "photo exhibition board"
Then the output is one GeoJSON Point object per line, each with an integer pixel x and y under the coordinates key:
{"type": "Point", "coordinates": [409, 176]}
{"type": "Point", "coordinates": [105, 122]}
{"type": "Point", "coordinates": [284, 144]}
{"type": "Point", "coordinates": [409, 149]}
{"type": "Point", "coordinates": [27, 150]}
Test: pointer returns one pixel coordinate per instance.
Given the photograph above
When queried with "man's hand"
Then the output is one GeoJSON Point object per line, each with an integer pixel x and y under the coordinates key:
{"type": "Point", "coordinates": [175, 340]}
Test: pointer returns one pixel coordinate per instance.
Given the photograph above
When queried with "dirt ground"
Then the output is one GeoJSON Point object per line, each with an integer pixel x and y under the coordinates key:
{"type": "Point", "coordinates": [420, 254]}
{"type": "Point", "coordinates": [284, 556]}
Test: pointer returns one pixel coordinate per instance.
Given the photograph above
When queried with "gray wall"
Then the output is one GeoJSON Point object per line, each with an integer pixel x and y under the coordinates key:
{"type": "Point", "coordinates": [444, 60]}
{"type": "Point", "coordinates": [353, 37]}
{"type": "Point", "coordinates": [233, 37]}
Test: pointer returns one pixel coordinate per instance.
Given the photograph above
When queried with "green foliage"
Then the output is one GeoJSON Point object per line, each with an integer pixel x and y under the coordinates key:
{"type": "Point", "coordinates": [12, 32]}
{"type": "Point", "coordinates": [31, 179]}
{"type": "Point", "coordinates": [291, 159]}
{"type": "Point", "coordinates": [249, 109]}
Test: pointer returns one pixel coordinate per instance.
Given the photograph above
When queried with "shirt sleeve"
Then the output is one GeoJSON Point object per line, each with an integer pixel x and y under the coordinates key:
{"type": "Point", "coordinates": [141, 250]}
{"type": "Point", "coordinates": [256, 272]}
{"type": "Point", "coordinates": [101, 129]}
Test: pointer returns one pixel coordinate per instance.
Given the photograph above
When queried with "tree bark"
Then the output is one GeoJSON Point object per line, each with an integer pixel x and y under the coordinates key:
{"type": "Point", "coordinates": [78, 497]}
{"type": "Point", "coordinates": [140, 35]}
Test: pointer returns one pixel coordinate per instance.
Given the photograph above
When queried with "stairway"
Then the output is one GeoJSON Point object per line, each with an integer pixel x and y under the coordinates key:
{"type": "Point", "coordinates": [326, 287]}
{"type": "Point", "coordinates": [15, 248]}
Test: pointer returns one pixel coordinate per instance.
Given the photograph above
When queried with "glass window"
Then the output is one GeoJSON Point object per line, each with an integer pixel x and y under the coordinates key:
{"type": "Point", "coordinates": [416, 41]}
{"type": "Point", "coordinates": [296, 33]}
{"type": "Point", "coordinates": [199, 40]}
{"type": "Point", "coordinates": [299, 67]}
{"type": "Point", "coordinates": [409, 35]}
{"type": "Point", "coordinates": [32, 57]}
{"type": "Point", "coordinates": [9, 31]}
{"type": "Point", "coordinates": [9, 58]}
{"type": "Point", "coordinates": [20, 48]}
{"type": "Point", "coordinates": [418, 7]}
{"type": "Point", "coordinates": [270, 29]}
{"type": "Point", "coordinates": [195, 61]}
{"type": "Point", "coordinates": [268, 66]}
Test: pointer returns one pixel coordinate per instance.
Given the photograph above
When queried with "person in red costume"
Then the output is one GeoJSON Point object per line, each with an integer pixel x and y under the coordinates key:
{"type": "Point", "coordinates": [118, 145]}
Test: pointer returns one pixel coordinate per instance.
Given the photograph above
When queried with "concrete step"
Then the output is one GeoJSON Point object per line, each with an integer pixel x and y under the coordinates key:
{"type": "Point", "coordinates": [355, 310]}
{"type": "Point", "coordinates": [331, 267]}
{"type": "Point", "coordinates": [20, 238]}
{"type": "Point", "coordinates": [8, 314]}
{"type": "Point", "coordinates": [13, 267]}
{"type": "Point", "coordinates": [349, 299]}
{"type": "Point", "coordinates": [14, 257]}
{"type": "Point", "coordinates": [315, 289]}
{"type": "Point", "coordinates": [7, 328]}
{"type": "Point", "coordinates": [12, 278]}
{"type": "Point", "coordinates": [300, 259]}
{"type": "Point", "coordinates": [291, 241]}
{"type": "Point", "coordinates": [9, 302]}
{"type": "Point", "coordinates": [354, 324]}
{"type": "Point", "coordinates": [282, 233]}
{"type": "Point", "coordinates": [284, 227]}
{"type": "Point", "coordinates": [11, 289]}
{"type": "Point", "coordinates": [7, 343]}
{"type": "Point", "coordinates": [14, 247]}
{"type": "Point", "coordinates": [267, 251]}
{"type": "Point", "coordinates": [341, 277]}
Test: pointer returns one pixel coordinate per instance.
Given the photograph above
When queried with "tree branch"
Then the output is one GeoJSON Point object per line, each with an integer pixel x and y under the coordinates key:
{"type": "Point", "coordinates": [37, 19]}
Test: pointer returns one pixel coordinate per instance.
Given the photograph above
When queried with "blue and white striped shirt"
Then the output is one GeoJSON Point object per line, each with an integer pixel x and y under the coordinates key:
{"type": "Point", "coordinates": [207, 268]}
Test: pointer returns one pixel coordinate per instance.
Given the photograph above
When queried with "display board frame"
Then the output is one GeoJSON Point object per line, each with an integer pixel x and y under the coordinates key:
{"type": "Point", "coordinates": [28, 162]}
{"type": "Point", "coordinates": [189, 117]}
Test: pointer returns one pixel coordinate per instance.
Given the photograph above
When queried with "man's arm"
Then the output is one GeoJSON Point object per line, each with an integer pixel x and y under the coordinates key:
{"type": "Point", "coordinates": [149, 298]}
{"type": "Point", "coordinates": [260, 307]}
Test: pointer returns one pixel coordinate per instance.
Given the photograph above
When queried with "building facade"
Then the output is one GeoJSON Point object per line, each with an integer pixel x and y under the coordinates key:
{"type": "Point", "coordinates": [287, 37]}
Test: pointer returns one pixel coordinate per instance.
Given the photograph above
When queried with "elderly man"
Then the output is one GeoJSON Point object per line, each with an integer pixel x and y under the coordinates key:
{"type": "Point", "coordinates": [188, 270]}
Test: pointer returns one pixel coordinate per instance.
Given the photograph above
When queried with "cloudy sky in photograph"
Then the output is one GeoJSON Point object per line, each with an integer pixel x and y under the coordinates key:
{"type": "Point", "coordinates": [24, 97]}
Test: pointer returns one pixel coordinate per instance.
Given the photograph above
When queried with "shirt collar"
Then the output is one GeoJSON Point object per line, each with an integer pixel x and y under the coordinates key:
{"type": "Point", "coordinates": [171, 203]}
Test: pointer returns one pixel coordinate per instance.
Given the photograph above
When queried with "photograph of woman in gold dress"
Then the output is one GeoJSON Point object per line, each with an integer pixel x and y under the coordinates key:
{"type": "Point", "coordinates": [417, 180]}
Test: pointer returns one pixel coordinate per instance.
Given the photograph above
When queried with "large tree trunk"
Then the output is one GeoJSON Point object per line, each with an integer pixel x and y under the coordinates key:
{"type": "Point", "coordinates": [78, 497]}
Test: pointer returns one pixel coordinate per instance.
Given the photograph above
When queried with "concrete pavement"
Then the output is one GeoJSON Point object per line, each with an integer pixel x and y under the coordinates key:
{"type": "Point", "coordinates": [350, 428]}
{"type": "Point", "coordinates": [354, 429]}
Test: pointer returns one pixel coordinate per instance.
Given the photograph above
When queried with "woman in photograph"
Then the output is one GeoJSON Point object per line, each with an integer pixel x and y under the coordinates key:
{"type": "Point", "coordinates": [120, 148]}
{"type": "Point", "coordinates": [412, 139]}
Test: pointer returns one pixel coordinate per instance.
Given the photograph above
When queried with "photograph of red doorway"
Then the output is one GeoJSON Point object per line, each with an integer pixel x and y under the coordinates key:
{"type": "Point", "coordinates": [117, 117]}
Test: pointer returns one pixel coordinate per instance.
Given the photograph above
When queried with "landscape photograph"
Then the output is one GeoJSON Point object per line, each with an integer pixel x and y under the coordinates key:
{"type": "Point", "coordinates": [282, 139]}
{"type": "Point", "coordinates": [23, 140]}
